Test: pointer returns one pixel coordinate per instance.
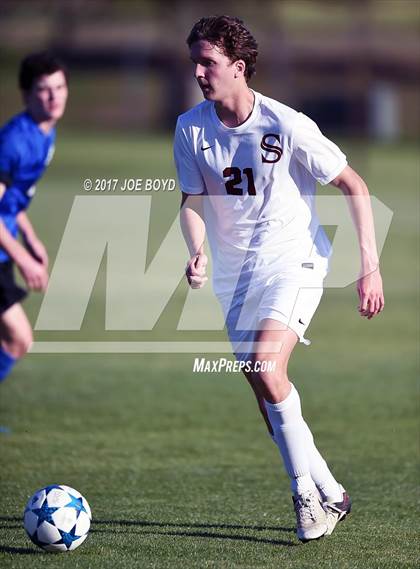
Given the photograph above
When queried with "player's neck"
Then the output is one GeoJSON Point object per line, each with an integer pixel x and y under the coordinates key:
{"type": "Point", "coordinates": [46, 125]}
{"type": "Point", "coordinates": [236, 109]}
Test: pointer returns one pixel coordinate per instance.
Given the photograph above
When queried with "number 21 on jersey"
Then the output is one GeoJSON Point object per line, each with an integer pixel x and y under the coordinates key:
{"type": "Point", "coordinates": [232, 184]}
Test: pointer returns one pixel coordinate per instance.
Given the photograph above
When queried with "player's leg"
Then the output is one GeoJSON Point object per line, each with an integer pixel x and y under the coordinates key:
{"type": "Point", "coordinates": [273, 347]}
{"type": "Point", "coordinates": [15, 330]}
{"type": "Point", "coordinates": [295, 300]}
{"type": "Point", "coordinates": [242, 321]}
{"type": "Point", "coordinates": [260, 402]}
{"type": "Point", "coordinates": [330, 490]}
{"type": "Point", "coordinates": [278, 341]}
{"type": "Point", "coordinates": [15, 337]}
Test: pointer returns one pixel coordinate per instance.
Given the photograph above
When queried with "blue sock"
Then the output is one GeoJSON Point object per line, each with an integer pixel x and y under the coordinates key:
{"type": "Point", "coordinates": [6, 363]}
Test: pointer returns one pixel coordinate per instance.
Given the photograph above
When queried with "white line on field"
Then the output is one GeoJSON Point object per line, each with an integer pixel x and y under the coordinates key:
{"type": "Point", "coordinates": [130, 347]}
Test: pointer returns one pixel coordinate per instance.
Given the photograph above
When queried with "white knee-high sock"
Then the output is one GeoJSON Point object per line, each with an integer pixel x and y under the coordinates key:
{"type": "Point", "coordinates": [290, 436]}
{"type": "Point", "coordinates": [318, 468]}
{"type": "Point", "coordinates": [321, 474]}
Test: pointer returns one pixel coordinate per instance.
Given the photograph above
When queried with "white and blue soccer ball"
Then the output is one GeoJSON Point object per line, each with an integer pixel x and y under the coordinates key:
{"type": "Point", "coordinates": [57, 518]}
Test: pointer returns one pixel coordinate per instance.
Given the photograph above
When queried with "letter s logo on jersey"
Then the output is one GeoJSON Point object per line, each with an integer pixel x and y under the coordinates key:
{"type": "Point", "coordinates": [271, 148]}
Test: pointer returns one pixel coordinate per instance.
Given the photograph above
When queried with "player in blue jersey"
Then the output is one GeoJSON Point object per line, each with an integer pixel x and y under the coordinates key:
{"type": "Point", "coordinates": [26, 148]}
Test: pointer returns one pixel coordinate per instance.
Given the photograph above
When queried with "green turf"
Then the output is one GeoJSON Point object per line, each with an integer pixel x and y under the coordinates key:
{"type": "Point", "coordinates": [176, 466]}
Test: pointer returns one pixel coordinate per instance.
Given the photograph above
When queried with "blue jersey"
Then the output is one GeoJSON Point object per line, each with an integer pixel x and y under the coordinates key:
{"type": "Point", "coordinates": [25, 152]}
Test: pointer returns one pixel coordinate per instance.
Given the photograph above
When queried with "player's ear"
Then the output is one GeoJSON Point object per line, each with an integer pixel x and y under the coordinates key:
{"type": "Point", "coordinates": [239, 67]}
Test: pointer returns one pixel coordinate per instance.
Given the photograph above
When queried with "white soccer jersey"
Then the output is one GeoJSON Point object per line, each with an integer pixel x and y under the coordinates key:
{"type": "Point", "coordinates": [259, 180]}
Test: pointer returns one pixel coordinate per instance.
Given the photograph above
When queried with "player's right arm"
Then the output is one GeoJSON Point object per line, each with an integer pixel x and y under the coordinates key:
{"type": "Point", "coordinates": [193, 229]}
{"type": "Point", "coordinates": [191, 215]}
{"type": "Point", "coordinates": [34, 273]}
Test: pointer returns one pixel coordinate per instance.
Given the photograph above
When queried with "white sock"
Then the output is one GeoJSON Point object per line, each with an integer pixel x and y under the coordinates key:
{"type": "Point", "coordinates": [290, 434]}
{"type": "Point", "coordinates": [321, 474]}
{"type": "Point", "coordinates": [318, 468]}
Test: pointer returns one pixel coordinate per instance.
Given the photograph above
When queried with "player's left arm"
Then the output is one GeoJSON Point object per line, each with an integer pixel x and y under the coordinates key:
{"type": "Point", "coordinates": [369, 284]}
{"type": "Point", "coordinates": [32, 241]}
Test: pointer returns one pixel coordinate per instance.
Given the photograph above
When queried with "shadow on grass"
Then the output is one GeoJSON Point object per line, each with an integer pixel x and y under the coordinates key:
{"type": "Point", "coordinates": [193, 527]}
{"type": "Point", "coordinates": [185, 525]}
{"type": "Point", "coordinates": [15, 550]}
{"type": "Point", "coordinates": [19, 550]}
{"type": "Point", "coordinates": [16, 522]}
{"type": "Point", "coordinates": [191, 530]}
{"type": "Point", "coordinates": [10, 526]}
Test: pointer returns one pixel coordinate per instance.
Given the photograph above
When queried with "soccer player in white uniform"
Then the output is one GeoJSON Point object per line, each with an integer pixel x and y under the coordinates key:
{"type": "Point", "coordinates": [247, 168]}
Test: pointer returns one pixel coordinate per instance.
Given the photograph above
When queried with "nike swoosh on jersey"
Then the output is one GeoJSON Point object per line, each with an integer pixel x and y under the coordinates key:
{"type": "Point", "coordinates": [206, 147]}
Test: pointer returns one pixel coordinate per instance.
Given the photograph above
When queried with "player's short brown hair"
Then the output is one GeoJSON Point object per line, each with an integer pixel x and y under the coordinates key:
{"type": "Point", "coordinates": [231, 36]}
{"type": "Point", "coordinates": [36, 64]}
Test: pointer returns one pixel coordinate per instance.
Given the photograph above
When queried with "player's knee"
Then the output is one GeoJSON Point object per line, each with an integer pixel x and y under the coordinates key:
{"type": "Point", "coordinates": [273, 381]}
{"type": "Point", "coordinates": [25, 343]}
{"type": "Point", "coordinates": [269, 369]}
{"type": "Point", "coordinates": [20, 344]}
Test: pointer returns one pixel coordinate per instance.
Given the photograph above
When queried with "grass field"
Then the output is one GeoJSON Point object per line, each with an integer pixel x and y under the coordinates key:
{"type": "Point", "coordinates": [176, 466]}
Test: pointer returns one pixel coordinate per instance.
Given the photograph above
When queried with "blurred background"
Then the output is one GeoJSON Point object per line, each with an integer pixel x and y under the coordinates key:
{"type": "Point", "coordinates": [353, 66]}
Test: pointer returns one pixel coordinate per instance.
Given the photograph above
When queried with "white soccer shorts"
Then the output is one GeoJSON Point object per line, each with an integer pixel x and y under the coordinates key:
{"type": "Point", "coordinates": [290, 297]}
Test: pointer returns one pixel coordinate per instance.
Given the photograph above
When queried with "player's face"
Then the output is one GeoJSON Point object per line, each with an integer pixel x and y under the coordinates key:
{"type": "Point", "coordinates": [46, 100]}
{"type": "Point", "coordinates": [214, 72]}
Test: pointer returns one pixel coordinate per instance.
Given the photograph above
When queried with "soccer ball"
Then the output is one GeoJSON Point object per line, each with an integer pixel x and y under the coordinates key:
{"type": "Point", "coordinates": [57, 518]}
